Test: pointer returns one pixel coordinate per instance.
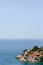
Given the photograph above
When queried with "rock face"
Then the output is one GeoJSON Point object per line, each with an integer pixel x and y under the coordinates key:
{"type": "Point", "coordinates": [19, 56]}
{"type": "Point", "coordinates": [33, 55]}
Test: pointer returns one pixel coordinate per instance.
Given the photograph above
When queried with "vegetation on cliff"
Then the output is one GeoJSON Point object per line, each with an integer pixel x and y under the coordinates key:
{"type": "Point", "coordinates": [33, 55]}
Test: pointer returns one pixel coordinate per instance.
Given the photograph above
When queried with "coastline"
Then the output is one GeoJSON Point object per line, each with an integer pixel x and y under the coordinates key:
{"type": "Point", "coordinates": [33, 55]}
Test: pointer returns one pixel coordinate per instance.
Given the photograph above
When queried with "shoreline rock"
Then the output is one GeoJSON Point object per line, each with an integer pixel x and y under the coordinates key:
{"type": "Point", "coordinates": [33, 55]}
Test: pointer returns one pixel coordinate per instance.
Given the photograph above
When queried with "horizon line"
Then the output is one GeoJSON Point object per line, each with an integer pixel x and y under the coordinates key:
{"type": "Point", "coordinates": [22, 38]}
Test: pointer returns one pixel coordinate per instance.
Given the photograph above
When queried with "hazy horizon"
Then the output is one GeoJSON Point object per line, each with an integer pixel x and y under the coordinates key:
{"type": "Point", "coordinates": [16, 45]}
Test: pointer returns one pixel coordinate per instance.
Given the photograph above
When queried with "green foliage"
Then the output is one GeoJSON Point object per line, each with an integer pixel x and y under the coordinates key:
{"type": "Point", "coordinates": [41, 58]}
{"type": "Point", "coordinates": [30, 52]}
{"type": "Point", "coordinates": [39, 49]}
{"type": "Point", "coordinates": [24, 50]}
{"type": "Point", "coordinates": [35, 48]}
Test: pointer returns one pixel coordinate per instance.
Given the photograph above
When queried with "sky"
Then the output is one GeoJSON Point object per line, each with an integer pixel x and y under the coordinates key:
{"type": "Point", "coordinates": [21, 19]}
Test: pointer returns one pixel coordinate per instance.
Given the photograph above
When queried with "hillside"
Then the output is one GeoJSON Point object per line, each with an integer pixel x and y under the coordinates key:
{"type": "Point", "coordinates": [33, 55]}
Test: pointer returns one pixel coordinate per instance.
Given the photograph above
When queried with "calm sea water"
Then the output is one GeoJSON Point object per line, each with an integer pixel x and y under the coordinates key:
{"type": "Point", "coordinates": [9, 49]}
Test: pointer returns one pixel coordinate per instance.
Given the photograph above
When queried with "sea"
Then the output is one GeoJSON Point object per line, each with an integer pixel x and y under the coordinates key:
{"type": "Point", "coordinates": [10, 48]}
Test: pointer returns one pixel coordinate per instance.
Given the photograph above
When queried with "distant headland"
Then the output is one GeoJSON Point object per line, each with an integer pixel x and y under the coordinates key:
{"type": "Point", "coordinates": [33, 55]}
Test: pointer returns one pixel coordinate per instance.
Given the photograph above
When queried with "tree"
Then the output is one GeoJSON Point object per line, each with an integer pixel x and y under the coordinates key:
{"type": "Point", "coordinates": [41, 58]}
{"type": "Point", "coordinates": [35, 48]}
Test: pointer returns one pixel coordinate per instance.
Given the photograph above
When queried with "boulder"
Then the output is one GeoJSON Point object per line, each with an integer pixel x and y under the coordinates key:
{"type": "Point", "coordinates": [19, 56]}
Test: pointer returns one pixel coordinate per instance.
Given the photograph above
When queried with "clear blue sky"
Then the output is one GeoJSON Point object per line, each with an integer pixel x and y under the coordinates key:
{"type": "Point", "coordinates": [21, 19]}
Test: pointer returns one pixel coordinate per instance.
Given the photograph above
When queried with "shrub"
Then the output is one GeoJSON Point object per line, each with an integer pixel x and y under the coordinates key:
{"type": "Point", "coordinates": [35, 48]}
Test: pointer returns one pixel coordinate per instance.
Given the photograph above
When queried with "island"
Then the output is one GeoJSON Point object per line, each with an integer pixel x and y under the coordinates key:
{"type": "Point", "coordinates": [33, 55]}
